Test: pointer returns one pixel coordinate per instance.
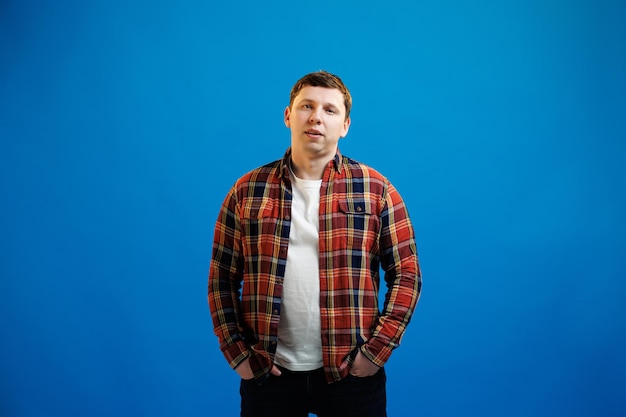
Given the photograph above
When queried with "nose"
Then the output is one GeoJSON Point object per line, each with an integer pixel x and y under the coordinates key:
{"type": "Point", "coordinates": [316, 116]}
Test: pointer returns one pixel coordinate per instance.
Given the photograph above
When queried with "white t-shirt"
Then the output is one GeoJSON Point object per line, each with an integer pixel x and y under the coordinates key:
{"type": "Point", "coordinates": [299, 330]}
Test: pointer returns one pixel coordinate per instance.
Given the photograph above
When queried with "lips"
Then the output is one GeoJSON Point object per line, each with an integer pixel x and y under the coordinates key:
{"type": "Point", "coordinates": [313, 132]}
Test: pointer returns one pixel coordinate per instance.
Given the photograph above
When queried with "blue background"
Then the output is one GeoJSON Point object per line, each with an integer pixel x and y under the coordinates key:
{"type": "Point", "coordinates": [123, 124]}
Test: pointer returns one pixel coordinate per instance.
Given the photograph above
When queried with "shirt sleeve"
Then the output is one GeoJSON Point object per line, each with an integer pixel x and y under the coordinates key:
{"type": "Point", "coordinates": [225, 279]}
{"type": "Point", "coordinates": [403, 279]}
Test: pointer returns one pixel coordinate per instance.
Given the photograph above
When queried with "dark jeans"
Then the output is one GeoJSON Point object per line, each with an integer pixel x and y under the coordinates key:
{"type": "Point", "coordinates": [295, 394]}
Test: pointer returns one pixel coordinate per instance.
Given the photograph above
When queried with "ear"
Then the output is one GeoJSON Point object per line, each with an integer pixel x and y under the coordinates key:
{"type": "Point", "coordinates": [346, 127]}
{"type": "Point", "coordinates": [287, 114]}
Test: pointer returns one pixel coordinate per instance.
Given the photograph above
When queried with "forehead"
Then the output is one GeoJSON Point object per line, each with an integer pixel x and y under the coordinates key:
{"type": "Point", "coordinates": [321, 95]}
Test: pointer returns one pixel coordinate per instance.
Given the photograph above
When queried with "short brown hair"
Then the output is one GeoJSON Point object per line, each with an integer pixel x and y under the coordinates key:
{"type": "Point", "coordinates": [322, 79]}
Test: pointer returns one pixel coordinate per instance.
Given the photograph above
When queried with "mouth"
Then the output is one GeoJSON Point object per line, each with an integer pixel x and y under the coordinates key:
{"type": "Point", "coordinates": [314, 133]}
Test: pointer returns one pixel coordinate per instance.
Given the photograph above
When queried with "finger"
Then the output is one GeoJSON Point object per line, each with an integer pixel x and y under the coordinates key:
{"type": "Point", "coordinates": [275, 371]}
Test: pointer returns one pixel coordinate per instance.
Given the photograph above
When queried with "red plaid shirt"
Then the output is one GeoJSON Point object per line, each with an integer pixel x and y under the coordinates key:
{"type": "Point", "coordinates": [363, 225]}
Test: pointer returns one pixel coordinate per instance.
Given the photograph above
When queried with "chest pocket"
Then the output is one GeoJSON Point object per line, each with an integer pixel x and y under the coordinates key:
{"type": "Point", "coordinates": [355, 228]}
{"type": "Point", "coordinates": [356, 207]}
{"type": "Point", "coordinates": [259, 219]}
{"type": "Point", "coordinates": [253, 209]}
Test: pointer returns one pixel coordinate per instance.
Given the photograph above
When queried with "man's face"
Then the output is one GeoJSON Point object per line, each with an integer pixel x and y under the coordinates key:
{"type": "Point", "coordinates": [317, 119]}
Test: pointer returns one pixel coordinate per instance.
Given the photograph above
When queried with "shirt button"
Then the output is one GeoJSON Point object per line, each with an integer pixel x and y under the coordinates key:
{"type": "Point", "coordinates": [359, 208]}
{"type": "Point", "coordinates": [287, 217]}
{"type": "Point", "coordinates": [275, 311]}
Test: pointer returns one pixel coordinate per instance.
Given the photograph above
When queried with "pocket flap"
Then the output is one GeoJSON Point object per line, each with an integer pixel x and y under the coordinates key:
{"type": "Point", "coordinates": [353, 206]}
{"type": "Point", "coordinates": [257, 209]}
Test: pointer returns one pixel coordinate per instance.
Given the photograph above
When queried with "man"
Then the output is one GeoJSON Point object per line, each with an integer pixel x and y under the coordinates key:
{"type": "Point", "coordinates": [294, 276]}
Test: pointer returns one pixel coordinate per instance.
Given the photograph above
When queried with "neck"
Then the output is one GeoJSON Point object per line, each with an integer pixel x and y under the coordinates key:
{"type": "Point", "coordinates": [308, 168]}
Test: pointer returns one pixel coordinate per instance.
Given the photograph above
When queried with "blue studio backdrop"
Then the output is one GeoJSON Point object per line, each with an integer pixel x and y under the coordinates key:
{"type": "Point", "coordinates": [123, 124]}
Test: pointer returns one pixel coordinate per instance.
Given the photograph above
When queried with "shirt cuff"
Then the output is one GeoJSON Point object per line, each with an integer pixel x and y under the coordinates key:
{"type": "Point", "coordinates": [236, 353]}
{"type": "Point", "coordinates": [377, 351]}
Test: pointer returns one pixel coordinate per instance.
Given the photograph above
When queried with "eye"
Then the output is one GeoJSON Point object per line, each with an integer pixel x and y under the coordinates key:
{"type": "Point", "coordinates": [307, 106]}
{"type": "Point", "coordinates": [330, 111]}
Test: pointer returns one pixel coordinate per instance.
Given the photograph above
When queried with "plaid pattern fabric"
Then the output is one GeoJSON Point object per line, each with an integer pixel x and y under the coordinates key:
{"type": "Point", "coordinates": [363, 225]}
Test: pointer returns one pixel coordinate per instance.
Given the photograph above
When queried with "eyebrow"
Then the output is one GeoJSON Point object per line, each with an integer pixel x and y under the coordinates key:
{"type": "Point", "coordinates": [308, 100]}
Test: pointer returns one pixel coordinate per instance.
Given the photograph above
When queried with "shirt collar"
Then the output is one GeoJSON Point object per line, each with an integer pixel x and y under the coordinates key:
{"type": "Point", "coordinates": [286, 161]}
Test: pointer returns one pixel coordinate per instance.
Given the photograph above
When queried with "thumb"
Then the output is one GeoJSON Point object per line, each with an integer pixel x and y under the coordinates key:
{"type": "Point", "coordinates": [275, 371]}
